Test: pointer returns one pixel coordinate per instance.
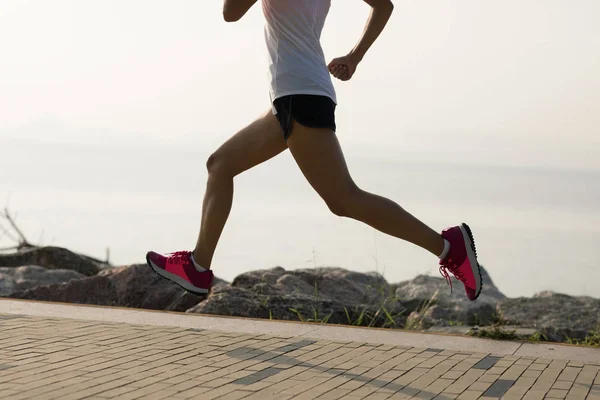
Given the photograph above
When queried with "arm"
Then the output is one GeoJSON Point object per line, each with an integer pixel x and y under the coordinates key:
{"type": "Point", "coordinates": [344, 67]}
{"type": "Point", "coordinates": [381, 10]}
{"type": "Point", "coordinates": [234, 10]}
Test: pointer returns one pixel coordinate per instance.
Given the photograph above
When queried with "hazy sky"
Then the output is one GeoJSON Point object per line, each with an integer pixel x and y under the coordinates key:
{"type": "Point", "coordinates": [511, 82]}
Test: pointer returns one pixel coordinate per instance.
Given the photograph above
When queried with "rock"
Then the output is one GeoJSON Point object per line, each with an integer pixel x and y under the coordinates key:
{"type": "Point", "coordinates": [134, 286]}
{"type": "Point", "coordinates": [331, 295]}
{"type": "Point", "coordinates": [560, 312]}
{"type": "Point", "coordinates": [51, 258]}
{"type": "Point", "coordinates": [419, 321]}
{"type": "Point", "coordinates": [444, 314]}
{"type": "Point", "coordinates": [441, 307]}
{"type": "Point", "coordinates": [7, 285]}
{"type": "Point", "coordinates": [27, 277]}
{"type": "Point", "coordinates": [334, 283]}
{"type": "Point", "coordinates": [97, 290]}
{"type": "Point", "coordinates": [554, 334]}
{"type": "Point", "coordinates": [240, 302]}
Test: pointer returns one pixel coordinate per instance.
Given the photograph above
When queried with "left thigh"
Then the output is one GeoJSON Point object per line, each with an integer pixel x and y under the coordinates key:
{"type": "Point", "coordinates": [319, 155]}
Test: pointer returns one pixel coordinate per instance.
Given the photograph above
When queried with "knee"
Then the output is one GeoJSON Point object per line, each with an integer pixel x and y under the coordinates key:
{"type": "Point", "coordinates": [338, 209]}
{"type": "Point", "coordinates": [216, 165]}
{"type": "Point", "coordinates": [345, 204]}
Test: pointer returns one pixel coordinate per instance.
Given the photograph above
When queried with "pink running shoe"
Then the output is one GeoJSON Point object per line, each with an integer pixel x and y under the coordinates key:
{"type": "Point", "coordinates": [461, 260]}
{"type": "Point", "coordinates": [178, 267]}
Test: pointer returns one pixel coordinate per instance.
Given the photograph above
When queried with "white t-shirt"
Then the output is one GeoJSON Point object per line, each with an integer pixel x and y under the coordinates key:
{"type": "Point", "coordinates": [296, 61]}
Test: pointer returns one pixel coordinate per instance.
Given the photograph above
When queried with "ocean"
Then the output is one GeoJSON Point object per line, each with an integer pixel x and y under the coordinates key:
{"type": "Point", "coordinates": [536, 228]}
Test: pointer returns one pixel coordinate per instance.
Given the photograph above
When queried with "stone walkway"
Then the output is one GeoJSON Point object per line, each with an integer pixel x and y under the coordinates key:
{"type": "Point", "coordinates": [69, 359]}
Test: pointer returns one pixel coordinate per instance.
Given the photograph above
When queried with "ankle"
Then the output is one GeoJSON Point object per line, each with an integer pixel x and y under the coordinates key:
{"type": "Point", "coordinates": [199, 261]}
{"type": "Point", "coordinates": [445, 250]}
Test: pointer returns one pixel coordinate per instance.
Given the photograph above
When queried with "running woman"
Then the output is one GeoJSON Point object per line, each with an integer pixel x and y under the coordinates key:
{"type": "Point", "coordinates": [302, 119]}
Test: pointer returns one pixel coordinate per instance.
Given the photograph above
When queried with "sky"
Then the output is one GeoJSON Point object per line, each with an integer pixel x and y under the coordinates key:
{"type": "Point", "coordinates": [516, 80]}
{"type": "Point", "coordinates": [512, 83]}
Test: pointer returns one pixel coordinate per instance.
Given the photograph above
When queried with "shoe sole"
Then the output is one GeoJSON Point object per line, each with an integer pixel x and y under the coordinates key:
{"type": "Point", "coordinates": [472, 255]}
{"type": "Point", "coordinates": [176, 279]}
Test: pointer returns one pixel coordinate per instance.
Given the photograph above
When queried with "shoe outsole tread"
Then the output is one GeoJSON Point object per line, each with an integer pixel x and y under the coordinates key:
{"type": "Point", "coordinates": [473, 247]}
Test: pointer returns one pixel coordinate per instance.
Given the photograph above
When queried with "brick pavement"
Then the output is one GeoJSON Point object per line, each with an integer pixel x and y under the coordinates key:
{"type": "Point", "coordinates": [56, 358]}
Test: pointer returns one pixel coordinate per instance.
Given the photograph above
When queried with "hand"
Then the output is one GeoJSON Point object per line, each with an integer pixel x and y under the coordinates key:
{"type": "Point", "coordinates": [343, 68]}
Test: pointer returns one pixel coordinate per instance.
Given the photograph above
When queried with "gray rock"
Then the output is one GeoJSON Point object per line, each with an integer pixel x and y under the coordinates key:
{"type": "Point", "coordinates": [7, 284]}
{"type": "Point", "coordinates": [552, 310]}
{"type": "Point", "coordinates": [51, 258]}
{"type": "Point", "coordinates": [331, 282]}
{"type": "Point", "coordinates": [554, 334]}
{"type": "Point", "coordinates": [333, 295]}
{"type": "Point", "coordinates": [27, 277]}
{"type": "Point", "coordinates": [423, 320]}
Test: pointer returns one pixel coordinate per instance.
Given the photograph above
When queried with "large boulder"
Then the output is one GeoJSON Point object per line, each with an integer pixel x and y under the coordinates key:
{"type": "Point", "coordinates": [29, 276]}
{"type": "Point", "coordinates": [439, 306]}
{"type": "Point", "coordinates": [134, 286]}
{"type": "Point", "coordinates": [51, 258]}
{"type": "Point", "coordinates": [558, 316]}
{"type": "Point", "coordinates": [334, 283]}
{"type": "Point", "coordinates": [332, 295]}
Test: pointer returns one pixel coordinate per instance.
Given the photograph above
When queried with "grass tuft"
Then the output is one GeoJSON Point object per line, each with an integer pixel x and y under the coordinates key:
{"type": "Point", "coordinates": [495, 332]}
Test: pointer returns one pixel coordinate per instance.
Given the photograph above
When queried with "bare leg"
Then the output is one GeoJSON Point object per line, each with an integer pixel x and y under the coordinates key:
{"type": "Point", "coordinates": [319, 155]}
{"type": "Point", "coordinates": [256, 143]}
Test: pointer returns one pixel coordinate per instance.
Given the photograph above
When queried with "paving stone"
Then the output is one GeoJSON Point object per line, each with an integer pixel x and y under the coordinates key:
{"type": "Point", "coordinates": [487, 363]}
{"type": "Point", "coordinates": [557, 394]}
{"type": "Point", "coordinates": [499, 388]}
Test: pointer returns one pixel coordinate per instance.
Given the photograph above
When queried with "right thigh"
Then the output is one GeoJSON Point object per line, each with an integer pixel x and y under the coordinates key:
{"type": "Point", "coordinates": [254, 144]}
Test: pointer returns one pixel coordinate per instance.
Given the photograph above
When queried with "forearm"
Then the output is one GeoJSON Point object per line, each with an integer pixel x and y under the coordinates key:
{"type": "Point", "coordinates": [380, 14]}
{"type": "Point", "coordinates": [233, 10]}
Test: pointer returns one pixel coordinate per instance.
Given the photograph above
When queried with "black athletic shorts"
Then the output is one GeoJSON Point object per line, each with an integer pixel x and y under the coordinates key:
{"type": "Point", "coordinates": [309, 110]}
